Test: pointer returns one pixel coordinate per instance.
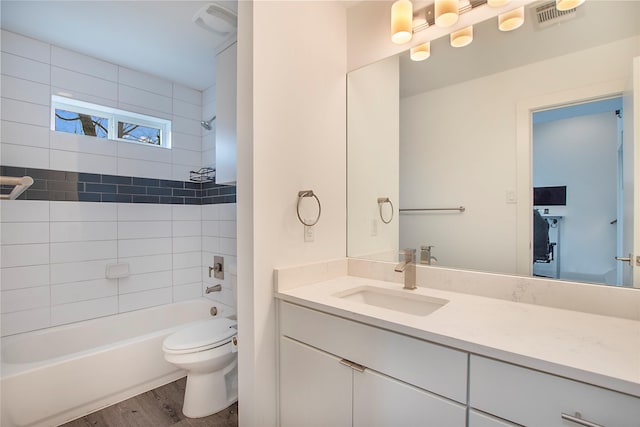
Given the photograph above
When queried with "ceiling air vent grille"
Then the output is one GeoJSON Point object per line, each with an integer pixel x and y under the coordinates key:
{"type": "Point", "coordinates": [547, 14]}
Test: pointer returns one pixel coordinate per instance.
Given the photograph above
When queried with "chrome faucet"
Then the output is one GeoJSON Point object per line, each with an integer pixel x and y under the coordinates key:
{"type": "Point", "coordinates": [216, 288]}
{"type": "Point", "coordinates": [425, 255]}
{"type": "Point", "coordinates": [408, 266]}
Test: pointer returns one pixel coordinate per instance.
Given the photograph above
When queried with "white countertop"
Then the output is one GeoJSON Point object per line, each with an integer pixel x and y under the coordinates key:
{"type": "Point", "coordinates": [595, 349]}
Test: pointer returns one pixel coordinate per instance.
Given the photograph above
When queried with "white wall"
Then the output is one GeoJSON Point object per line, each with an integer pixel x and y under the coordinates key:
{"type": "Point", "coordinates": [53, 258]}
{"type": "Point", "coordinates": [581, 153]}
{"type": "Point", "coordinates": [292, 130]}
{"type": "Point", "coordinates": [33, 70]}
{"type": "Point", "coordinates": [458, 148]}
{"type": "Point", "coordinates": [373, 134]}
{"type": "Point", "coordinates": [226, 123]}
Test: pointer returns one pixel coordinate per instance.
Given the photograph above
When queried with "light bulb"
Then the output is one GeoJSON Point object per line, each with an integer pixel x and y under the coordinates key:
{"type": "Point", "coordinates": [563, 5]}
{"type": "Point", "coordinates": [511, 20]}
{"type": "Point", "coordinates": [462, 37]}
{"type": "Point", "coordinates": [421, 52]}
{"type": "Point", "coordinates": [401, 21]}
{"type": "Point", "coordinates": [446, 12]}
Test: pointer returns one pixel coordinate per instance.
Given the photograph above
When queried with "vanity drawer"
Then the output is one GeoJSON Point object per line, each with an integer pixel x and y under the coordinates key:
{"type": "Point", "coordinates": [479, 419]}
{"type": "Point", "coordinates": [533, 398]}
{"type": "Point", "coordinates": [432, 367]}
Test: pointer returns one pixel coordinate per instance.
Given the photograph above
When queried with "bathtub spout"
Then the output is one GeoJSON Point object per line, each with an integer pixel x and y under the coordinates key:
{"type": "Point", "coordinates": [216, 288]}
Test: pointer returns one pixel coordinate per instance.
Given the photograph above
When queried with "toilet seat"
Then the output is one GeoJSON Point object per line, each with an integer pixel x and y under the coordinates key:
{"type": "Point", "coordinates": [200, 336]}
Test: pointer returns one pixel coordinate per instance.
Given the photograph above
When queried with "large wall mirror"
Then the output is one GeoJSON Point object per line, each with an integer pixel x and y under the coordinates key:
{"type": "Point", "coordinates": [469, 136]}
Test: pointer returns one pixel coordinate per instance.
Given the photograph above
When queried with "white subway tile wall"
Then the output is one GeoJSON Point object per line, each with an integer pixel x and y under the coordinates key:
{"type": "Point", "coordinates": [32, 71]}
{"type": "Point", "coordinates": [214, 219]}
{"type": "Point", "coordinates": [53, 257]}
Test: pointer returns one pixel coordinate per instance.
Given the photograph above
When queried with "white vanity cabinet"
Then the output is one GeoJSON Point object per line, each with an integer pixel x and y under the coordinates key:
{"type": "Point", "coordinates": [533, 398]}
{"type": "Point", "coordinates": [338, 372]}
{"type": "Point", "coordinates": [479, 419]}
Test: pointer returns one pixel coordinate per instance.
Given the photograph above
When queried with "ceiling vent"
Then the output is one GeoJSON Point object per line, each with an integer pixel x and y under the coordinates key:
{"type": "Point", "coordinates": [547, 14]}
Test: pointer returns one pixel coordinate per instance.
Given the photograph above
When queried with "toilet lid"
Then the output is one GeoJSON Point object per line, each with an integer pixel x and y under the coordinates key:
{"type": "Point", "coordinates": [205, 333]}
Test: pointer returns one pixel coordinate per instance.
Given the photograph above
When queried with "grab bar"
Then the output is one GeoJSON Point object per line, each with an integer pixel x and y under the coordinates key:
{"type": "Point", "coordinates": [459, 208]}
{"type": "Point", "coordinates": [21, 184]}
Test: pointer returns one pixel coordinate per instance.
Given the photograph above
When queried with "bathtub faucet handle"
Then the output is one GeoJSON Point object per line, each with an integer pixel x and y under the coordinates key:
{"type": "Point", "coordinates": [218, 267]}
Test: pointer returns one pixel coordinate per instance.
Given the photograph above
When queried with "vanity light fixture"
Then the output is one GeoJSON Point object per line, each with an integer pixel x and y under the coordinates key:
{"type": "Point", "coordinates": [446, 12]}
{"type": "Point", "coordinates": [421, 52]}
{"type": "Point", "coordinates": [401, 21]}
{"type": "Point", "coordinates": [511, 20]}
{"type": "Point", "coordinates": [563, 5]}
{"type": "Point", "coordinates": [462, 37]}
{"type": "Point", "coordinates": [420, 19]}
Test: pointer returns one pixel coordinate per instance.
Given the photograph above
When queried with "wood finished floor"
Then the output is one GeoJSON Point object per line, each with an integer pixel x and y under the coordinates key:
{"type": "Point", "coordinates": [161, 407]}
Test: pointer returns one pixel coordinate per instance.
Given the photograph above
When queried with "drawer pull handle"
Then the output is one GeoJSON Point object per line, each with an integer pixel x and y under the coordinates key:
{"type": "Point", "coordinates": [577, 418]}
{"type": "Point", "coordinates": [353, 365]}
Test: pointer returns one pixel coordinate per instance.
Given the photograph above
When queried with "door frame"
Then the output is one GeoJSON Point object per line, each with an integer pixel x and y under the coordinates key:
{"type": "Point", "coordinates": [524, 155]}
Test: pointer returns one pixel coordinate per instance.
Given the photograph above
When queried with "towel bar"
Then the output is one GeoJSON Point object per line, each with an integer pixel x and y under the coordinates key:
{"type": "Point", "coordinates": [460, 209]}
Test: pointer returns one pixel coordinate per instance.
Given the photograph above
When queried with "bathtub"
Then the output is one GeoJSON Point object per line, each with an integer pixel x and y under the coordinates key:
{"type": "Point", "coordinates": [55, 375]}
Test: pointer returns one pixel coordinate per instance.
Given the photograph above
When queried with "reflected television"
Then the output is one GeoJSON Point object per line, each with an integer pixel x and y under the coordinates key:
{"type": "Point", "coordinates": [550, 196]}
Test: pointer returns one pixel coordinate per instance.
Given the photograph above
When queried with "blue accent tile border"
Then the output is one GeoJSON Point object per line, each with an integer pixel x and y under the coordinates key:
{"type": "Point", "coordinates": [90, 187]}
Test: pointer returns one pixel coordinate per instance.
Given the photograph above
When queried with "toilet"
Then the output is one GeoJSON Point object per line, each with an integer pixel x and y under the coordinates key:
{"type": "Point", "coordinates": [206, 349]}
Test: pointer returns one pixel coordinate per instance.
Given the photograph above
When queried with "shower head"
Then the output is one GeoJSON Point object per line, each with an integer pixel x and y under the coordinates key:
{"type": "Point", "coordinates": [207, 124]}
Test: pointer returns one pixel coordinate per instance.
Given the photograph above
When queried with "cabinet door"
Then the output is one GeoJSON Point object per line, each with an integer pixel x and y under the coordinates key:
{"type": "Point", "coordinates": [379, 400]}
{"type": "Point", "coordinates": [315, 389]}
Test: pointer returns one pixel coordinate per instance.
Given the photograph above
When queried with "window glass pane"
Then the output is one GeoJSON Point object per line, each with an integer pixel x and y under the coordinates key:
{"type": "Point", "coordinates": [83, 124]}
{"type": "Point", "coordinates": [139, 133]}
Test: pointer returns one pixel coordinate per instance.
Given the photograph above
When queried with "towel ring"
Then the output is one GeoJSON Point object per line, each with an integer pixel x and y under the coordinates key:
{"type": "Point", "coordinates": [382, 201]}
{"type": "Point", "coordinates": [302, 195]}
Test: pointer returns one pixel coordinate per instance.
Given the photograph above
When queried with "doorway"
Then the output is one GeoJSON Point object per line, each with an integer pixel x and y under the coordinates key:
{"type": "Point", "coordinates": [577, 170]}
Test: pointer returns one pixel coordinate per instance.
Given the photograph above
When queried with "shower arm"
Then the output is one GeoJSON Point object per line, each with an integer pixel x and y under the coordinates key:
{"type": "Point", "coordinates": [207, 124]}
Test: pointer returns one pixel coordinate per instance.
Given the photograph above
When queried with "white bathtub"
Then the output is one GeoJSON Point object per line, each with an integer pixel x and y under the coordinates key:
{"type": "Point", "coordinates": [58, 374]}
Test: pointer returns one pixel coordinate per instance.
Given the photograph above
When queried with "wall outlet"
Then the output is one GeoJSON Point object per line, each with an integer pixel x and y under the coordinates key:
{"type": "Point", "coordinates": [511, 197]}
{"type": "Point", "coordinates": [374, 227]}
{"type": "Point", "coordinates": [308, 233]}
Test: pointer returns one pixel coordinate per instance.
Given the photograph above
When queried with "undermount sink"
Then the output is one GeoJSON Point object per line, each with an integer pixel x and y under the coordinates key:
{"type": "Point", "coordinates": [396, 300]}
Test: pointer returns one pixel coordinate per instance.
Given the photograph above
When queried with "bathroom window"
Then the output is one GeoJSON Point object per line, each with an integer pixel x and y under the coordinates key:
{"type": "Point", "coordinates": [83, 118]}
